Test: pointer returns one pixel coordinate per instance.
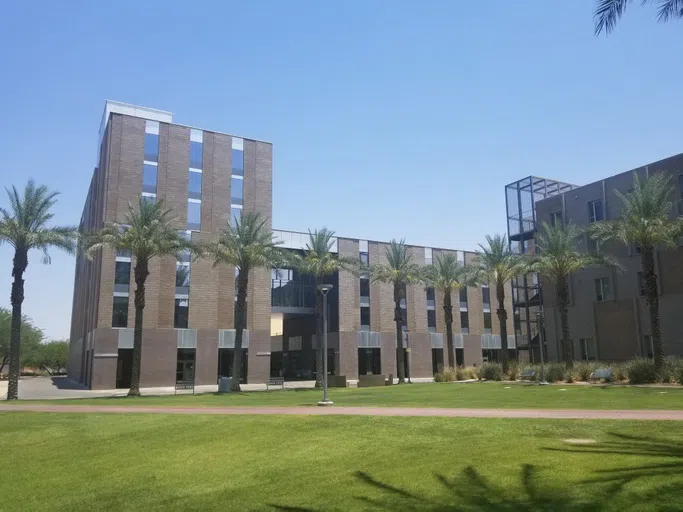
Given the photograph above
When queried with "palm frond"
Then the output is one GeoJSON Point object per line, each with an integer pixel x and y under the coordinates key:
{"type": "Point", "coordinates": [318, 260]}
{"type": "Point", "coordinates": [608, 12]}
{"type": "Point", "coordinates": [399, 269]}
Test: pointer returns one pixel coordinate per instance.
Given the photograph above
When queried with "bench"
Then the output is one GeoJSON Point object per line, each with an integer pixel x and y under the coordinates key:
{"type": "Point", "coordinates": [602, 374]}
{"type": "Point", "coordinates": [336, 381]}
{"type": "Point", "coordinates": [528, 374]}
{"type": "Point", "coordinates": [184, 385]}
{"type": "Point", "coordinates": [275, 381]}
{"type": "Point", "coordinates": [366, 381]}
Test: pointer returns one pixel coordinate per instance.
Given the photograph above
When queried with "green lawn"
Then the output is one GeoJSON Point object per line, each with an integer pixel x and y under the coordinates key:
{"type": "Point", "coordinates": [162, 462]}
{"type": "Point", "coordinates": [487, 395]}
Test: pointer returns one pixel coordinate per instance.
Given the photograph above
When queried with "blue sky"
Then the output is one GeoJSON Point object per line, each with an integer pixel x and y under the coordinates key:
{"type": "Point", "coordinates": [388, 118]}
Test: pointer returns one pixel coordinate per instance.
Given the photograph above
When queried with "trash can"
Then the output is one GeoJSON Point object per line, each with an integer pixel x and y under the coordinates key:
{"type": "Point", "coordinates": [224, 384]}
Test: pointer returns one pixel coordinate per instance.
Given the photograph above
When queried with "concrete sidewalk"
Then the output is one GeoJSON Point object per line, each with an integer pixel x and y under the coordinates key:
{"type": "Point", "coordinates": [359, 411]}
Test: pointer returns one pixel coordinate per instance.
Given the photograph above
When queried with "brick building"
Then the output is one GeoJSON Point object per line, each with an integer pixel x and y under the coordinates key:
{"type": "Point", "coordinates": [209, 178]}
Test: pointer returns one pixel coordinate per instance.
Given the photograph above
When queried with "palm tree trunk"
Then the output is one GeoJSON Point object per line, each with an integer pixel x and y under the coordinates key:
{"type": "Point", "coordinates": [652, 297]}
{"type": "Point", "coordinates": [240, 323]}
{"type": "Point", "coordinates": [17, 298]}
{"type": "Point", "coordinates": [448, 317]}
{"type": "Point", "coordinates": [318, 334]}
{"type": "Point", "coordinates": [141, 272]}
{"type": "Point", "coordinates": [563, 303]}
{"type": "Point", "coordinates": [398, 318]}
{"type": "Point", "coordinates": [503, 321]}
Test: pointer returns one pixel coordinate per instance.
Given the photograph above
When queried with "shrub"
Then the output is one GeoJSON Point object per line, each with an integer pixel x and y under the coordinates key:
{"type": "Point", "coordinates": [491, 371]}
{"type": "Point", "coordinates": [642, 371]}
{"type": "Point", "coordinates": [554, 372]}
{"type": "Point", "coordinates": [514, 370]}
{"type": "Point", "coordinates": [679, 374]}
{"type": "Point", "coordinates": [620, 371]}
{"type": "Point", "coordinates": [583, 370]}
{"type": "Point", "coordinates": [446, 374]}
{"type": "Point", "coordinates": [671, 369]}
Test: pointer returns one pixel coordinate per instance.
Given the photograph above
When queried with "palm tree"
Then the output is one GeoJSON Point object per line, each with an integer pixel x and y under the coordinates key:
{"type": "Point", "coordinates": [497, 265]}
{"type": "Point", "coordinates": [556, 258]}
{"type": "Point", "coordinates": [319, 262]}
{"type": "Point", "coordinates": [608, 12]}
{"type": "Point", "coordinates": [24, 226]}
{"type": "Point", "coordinates": [448, 275]}
{"type": "Point", "coordinates": [147, 233]}
{"type": "Point", "coordinates": [645, 222]}
{"type": "Point", "coordinates": [246, 246]}
{"type": "Point", "coordinates": [398, 271]}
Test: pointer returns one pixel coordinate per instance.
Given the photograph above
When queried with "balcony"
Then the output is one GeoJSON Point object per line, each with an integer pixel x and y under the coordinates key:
{"type": "Point", "coordinates": [293, 296]}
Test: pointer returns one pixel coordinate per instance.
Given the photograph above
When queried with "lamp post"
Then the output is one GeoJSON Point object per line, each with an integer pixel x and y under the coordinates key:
{"type": "Point", "coordinates": [324, 290]}
{"type": "Point", "coordinates": [539, 325]}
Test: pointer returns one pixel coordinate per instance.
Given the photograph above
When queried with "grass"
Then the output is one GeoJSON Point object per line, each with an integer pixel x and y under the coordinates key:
{"type": "Point", "coordinates": [478, 395]}
{"type": "Point", "coordinates": [165, 463]}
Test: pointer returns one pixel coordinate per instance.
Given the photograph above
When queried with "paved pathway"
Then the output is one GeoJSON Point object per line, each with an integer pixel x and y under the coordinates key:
{"type": "Point", "coordinates": [362, 411]}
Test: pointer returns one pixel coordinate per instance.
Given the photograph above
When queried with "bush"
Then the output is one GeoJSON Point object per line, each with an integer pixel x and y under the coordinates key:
{"type": "Point", "coordinates": [554, 372]}
{"type": "Point", "coordinates": [583, 370]}
{"type": "Point", "coordinates": [671, 369]}
{"type": "Point", "coordinates": [446, 374]}
{"type": "Point", "coordinates": [491, 371]}
{"type": "Point", "coordinates": [641, 371]}
{"type": "Point", "coordinates": [620, 371]}
{"type": "Point", "coordinates": [514, 370]}
{"type": "Point", "coordinates": [679, 374]}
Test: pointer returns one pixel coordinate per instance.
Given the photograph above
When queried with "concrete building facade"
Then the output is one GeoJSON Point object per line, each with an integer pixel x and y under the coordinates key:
{"type": "Point", "coordinates": [608, 314]}
{"type": "Point", "coordinates": [208, 179]}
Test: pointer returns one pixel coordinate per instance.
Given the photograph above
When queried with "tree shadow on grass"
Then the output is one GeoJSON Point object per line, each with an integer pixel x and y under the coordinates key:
{"type": "Point", "coordinates": [472, 492]}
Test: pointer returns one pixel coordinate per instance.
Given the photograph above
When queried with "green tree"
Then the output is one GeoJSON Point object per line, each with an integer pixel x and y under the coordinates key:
{"type": "Point", "coordinates": [147, 233]}
{"type": "Point", "coordinates": [31, 337]}
{"type": "Point", "coordinates": [246, 246]}
{"type": "Point", "coordinates": [399, 271]}
{"type": "Point", "coordinates": [52, 356]}
{"type": "Point", "coordinates": [25, 226]}
{"type": "Point", "coordinates": [557, 257]}
{"type": "Point", "coordinates": [447, 275]}
{"type": "Point", "coordinates": [320, 262]}
{"type": "Point", "coordinates": [646, 222]}
{"type": "Point", "coordinates": [498, 265]}
{"type": "Point", "coordinates": [608, 12]}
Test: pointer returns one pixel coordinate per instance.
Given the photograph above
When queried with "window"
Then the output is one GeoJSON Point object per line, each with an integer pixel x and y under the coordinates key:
{"type": "Point", "coordinates": [555, 218]}
{"type": "Point", "coordinates": [182, 279]}
{"type": "Point", "coordinates": [428, 256]}
{"type": "Point", "coordinates": [487, 322]}
{"type": "Point", "coordinates": [194, 216]}
{"type": "Point", "coordinates": [486, 297]}
{"type": "Point", "coordinates": [194, 188]}
{"type": "Point", "coordinates": [235, 215]}
{"type": "Point", "coordinates": [365, 318]}
{"type": "Point", "coordinates": [464, 322]}
{"type": "Point", "coordinates": [641, 284]}
{"type": "Point", "coordinates": [119, 317]}
{"type": "Point", "coordinates": [364, 258]}
{"type": "Point", "coordinates": [149, 178]}
{"type": "Point", "coordinates": [238, 162]}
{"type": "Point", "coordinates": [602, 289]}
{"type": "Point", "coordinates": [196, 157]}
{"type": "Point", "coordinates": [152, 147]}
{"type": "Point", "coordinates": [431, 296]}
{"type": "Point", "coordinates": [589, 351]}
{"type": "Point", "coordinates": [463, 298]}
{"type": "Point", "coordinates": [364, 287]}
{"type": "Point", "coordinates": [595, 211]}
{"type": "Point", "coordinates": [431, 320]}
{"type": "Point", "coordinates": [149, 198]}
{"type": "Point", "coordinates": [518, 323]}
{"type": "Point", "coordinates": [648, 349]}
{"type": "Point", "coordinates": [236, 190]}
{"type": "Point", "coordinates": [122, 276]}
{"type": "Point", "coordinates": [180, 316]}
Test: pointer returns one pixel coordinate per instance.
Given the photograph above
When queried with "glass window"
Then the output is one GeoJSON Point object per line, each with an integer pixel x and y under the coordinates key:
{"type": "Point", "coordinates": [365, 316]}
{"type": "Point", "coordinates": [555, 218]}
{"type": "Point", "coordinates": [431, 318]}
{"type": "Point", "coordinates": [194, 216]}
{"type": "Point", "coordinates": [602, 289]}
{"type": "Point", "coordinates": [122, 273]}
{"type": "Point", "coordinates": [119, 317]}
{"type": "Point", "coordinates": [235, 215]}
{"type": "Point", "coordinates": [194, 188]}
{"type": "Point", "coordinates": [152, 147]}
{"type": "Point", "coordinates": [149, 178]}
{"type": "Point", "coordinates": [120, 253]}
{"type": "Point", "coordinates": [486, 296]}
{"type": "Point", "coordinates": [238, 162]}
{"type": "Point", "coordinates": [463, 297]}
{"type": "Point", "coordinates": [149, 199]}
{"type": "Point", "coordinates": [595, 211]}
{"type": "Point", "coordinates": [487, 322]}
{"type": "Point", "coordinates": [196, 157]}
{"type": "Point", "coordinates": [180, 316]}
{"type": "Point", "coordinates": [182, 279]}
{"type": "Point", "coordinates": [588, 349]}
{"type": "Point", "coordinates": [364, 287]}
{"type": "Point", "coordinates": [364, 258]}
{"type": "Point", "coordinates": [236, 191]}
{"type": "Point", "coordinates": [430, 294]}
{"type": "Point", "coordinates": [465, 321]}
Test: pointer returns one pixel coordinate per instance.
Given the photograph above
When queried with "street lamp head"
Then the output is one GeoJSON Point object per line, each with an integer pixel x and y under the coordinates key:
{"type": "Point", "coordinates": [324, 288]}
